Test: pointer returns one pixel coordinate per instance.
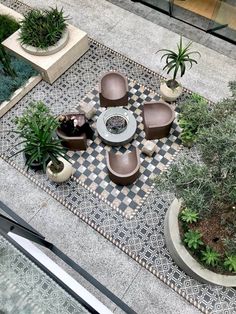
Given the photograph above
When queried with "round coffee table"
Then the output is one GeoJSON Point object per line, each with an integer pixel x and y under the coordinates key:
{"type": "Point", "coordinates": [116, 126]}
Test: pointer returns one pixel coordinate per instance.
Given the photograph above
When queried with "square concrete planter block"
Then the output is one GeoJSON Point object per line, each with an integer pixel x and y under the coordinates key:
{"type": "Point", "coordinates": [53, 66]}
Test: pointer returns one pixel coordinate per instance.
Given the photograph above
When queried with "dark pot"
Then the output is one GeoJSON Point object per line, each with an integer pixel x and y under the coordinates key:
{"type": "Point", "coordinates": [35, 165]}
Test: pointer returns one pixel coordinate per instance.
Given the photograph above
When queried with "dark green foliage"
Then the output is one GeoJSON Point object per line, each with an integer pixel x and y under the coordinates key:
{"type": "Point", "coordinates": [8, 84]}
{"type": "Point", "coordinates": [210, 257]}
{"type": "Point", "coordinates": [8, 26]}
{"type": "Point", "coordinates": [193, 115]}
{"type": "Point", "coordinates": [176, 61]}
{"type": "Point", "coordinates": [193, 239]}
{"type": "Point", "coordinates": [230, 263]}
{"type": "Point", "coordinates": [42, 28]}
{"type": "Point", "coordinates": [5, 59]}
{"type": "Point", "coordinates": [189, 216]}
{"type": "Point", "coordinates": [37, 128]}
{"type": "Point", "coordinates": [209, 188]}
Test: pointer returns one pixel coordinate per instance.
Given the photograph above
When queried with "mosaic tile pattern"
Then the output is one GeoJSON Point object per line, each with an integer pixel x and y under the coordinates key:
{"type": "Point", "coordinates": [141, 237]}
{"type": "Point", "coordinates": [91, 169]}
{"type": "Point", "coordinates": [25, 288]}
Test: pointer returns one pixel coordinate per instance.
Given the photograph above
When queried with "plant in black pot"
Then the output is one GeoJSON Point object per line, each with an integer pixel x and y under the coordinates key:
{"type": "Point", "coordinates": [44, 32]}
{"type": "Point", "coordinates": [176, 62]}
{"type": "Point", "coordinates": [41, 148]}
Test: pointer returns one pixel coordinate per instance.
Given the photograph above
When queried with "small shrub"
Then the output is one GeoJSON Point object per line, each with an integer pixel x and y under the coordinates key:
{"type": "Point", "coordinates": [230, 263]}
{"type": "Point", "coordinates": [42, 28]}
{"type": "Point", "coordinates": [210, 257]}
{"type": "Point", "coordinates": [193, 115]}
{"type": "Point", "coordinates": [193, 239]}
{"type": "Point", "coordinates": [189, 216]}
{"type": "Point", "coordinates": [8, 84]}
{"type": "Point", "coordinates": [8, 26]}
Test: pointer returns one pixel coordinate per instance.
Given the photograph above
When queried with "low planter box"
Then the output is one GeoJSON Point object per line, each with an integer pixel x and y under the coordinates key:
{"type": "Point", "coordinates": [18, 94]}
{"type": "Point", "coordinates": [53, 66]}
{"type": "Point", "coordinates": [183, 258]}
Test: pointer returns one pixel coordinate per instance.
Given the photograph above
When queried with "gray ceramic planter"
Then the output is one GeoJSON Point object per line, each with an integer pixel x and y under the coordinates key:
{"type": "Point", "coordinates": [183, 258]}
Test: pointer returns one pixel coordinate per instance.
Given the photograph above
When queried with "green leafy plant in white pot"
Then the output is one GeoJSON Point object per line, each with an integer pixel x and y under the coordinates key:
{"type": "Point", "coordinates": [176, 62]}
{"type": "Point", "coordinates": [41, 148]}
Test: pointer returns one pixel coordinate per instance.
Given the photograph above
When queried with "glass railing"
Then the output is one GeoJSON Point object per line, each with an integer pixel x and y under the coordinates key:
{"type": "Point", "coordinates": [213, 16]}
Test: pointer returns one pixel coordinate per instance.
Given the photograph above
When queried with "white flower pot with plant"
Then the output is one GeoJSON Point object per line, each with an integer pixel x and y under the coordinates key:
{"type": "Point", "coordinates": [41, 149]}
{"type": "Point", "coordinates": [60, 170]}
{"type": "Point", "coordinates": [171, 89]}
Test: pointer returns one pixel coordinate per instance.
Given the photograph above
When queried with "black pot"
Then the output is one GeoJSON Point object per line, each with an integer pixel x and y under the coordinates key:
{"type": "Point", "coordinates": [35, 165]}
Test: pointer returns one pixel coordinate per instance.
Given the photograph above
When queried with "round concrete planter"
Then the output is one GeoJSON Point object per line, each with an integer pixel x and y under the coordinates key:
{"type": "Point", "coordinates": [50, 50]}
{"type": "Point", "coordinates": [62, 176]}
{"type": "Point", "coordinates": [183, 258]}
{"type": "Point", "coordinates": [169, 94]}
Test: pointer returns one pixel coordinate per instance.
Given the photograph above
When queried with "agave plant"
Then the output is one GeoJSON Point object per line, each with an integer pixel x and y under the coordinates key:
{"type": "Point", "coordinates": [176, 61]}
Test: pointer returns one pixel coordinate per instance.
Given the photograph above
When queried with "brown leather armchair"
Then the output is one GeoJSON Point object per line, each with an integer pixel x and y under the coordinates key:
{"type": "Point", "coordinates": [157, 119]}
{"type": "Point", "coordinates": [74, 142]}
{"type": "Point", "coordinates": [113, 90]}
{"type": "Point", "coordinates": [123, 169]}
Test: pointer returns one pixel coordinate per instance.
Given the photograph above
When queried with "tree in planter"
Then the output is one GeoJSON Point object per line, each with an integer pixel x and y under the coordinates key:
{"type": "Point", "coordinates": [37, 127]}
{"type": "Point", "coordinates": [208, 190]}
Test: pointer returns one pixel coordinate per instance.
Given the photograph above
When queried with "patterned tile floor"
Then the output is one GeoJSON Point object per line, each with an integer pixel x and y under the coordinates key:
{"type": "Point", "coordinates": [91, 167]}
{"type": "Point", "coordinates": [142, 236]}
{"type": "Point", "coordinates": [25, 288]}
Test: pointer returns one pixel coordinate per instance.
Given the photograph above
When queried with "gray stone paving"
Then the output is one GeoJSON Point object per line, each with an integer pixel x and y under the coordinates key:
{"type": "Point", "coordinates": [127, 279]}
{"type": "Point", "coordinates": [178, 27]}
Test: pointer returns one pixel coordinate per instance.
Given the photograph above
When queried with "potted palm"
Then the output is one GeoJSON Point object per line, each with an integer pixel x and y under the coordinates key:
{"type": "Point", "coordinates": [176, 62]}
{"type": "Point", "coordinates": [41, 148]}
{"type": "Point", "coordinates": [44, 32]}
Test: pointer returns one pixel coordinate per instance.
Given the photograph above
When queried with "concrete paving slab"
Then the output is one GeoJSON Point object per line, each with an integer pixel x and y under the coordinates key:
{"type": "Point", "coordinates": [17, 192]}
{"type": "Point", "coordinates": [154, 296]}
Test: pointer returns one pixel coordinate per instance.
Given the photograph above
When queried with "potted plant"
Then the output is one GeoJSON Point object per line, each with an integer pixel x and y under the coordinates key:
{"type": "Point", "coordinates": [200, 228]}
{"type": "Point", "coordinates": [193, 115]}
{"type": "Point", "coordinates": [176, 62]}
{"type": "Point", "coordinates": [41, 149]}
{"type": "Point", "coordinates": [74, 130]}
{"type": "Point", "coordinates": [44, 32]}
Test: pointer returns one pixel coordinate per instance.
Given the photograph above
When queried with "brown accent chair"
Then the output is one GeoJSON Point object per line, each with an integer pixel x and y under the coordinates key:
{"type": "Point", "coordinates": [74, 142]}
{"type": "Point", "coordinates": [113, 90]}
{"type": "Point", "coordinates": [157, 119]}
{"type": "Point", "coordinates": [123, 169]}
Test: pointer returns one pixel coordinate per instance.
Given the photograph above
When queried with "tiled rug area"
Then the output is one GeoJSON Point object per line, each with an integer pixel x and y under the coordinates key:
{"type": "Point", "coordinates": [25, 288]}
{"type": "Point", "coordinates": [91, 169]}
{"type": "Point", "coordinates": [142, 236]}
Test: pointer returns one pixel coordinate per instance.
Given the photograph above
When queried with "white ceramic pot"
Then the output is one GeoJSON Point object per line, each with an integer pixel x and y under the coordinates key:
{"type": "Point", "coordinates": [50, 50]}
{"type": "Point", "coordinates": [169, 94]}
{"type": "Point", "coordinates": [62, 176]}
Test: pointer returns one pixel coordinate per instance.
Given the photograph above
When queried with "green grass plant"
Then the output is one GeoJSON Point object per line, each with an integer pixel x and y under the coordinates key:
{"type": "Point", "coordinates": [8, 26]}
{"type": "Point", "coordinates": [10, 84]}
{"type": "Point", "coordinates": [42, 28]}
